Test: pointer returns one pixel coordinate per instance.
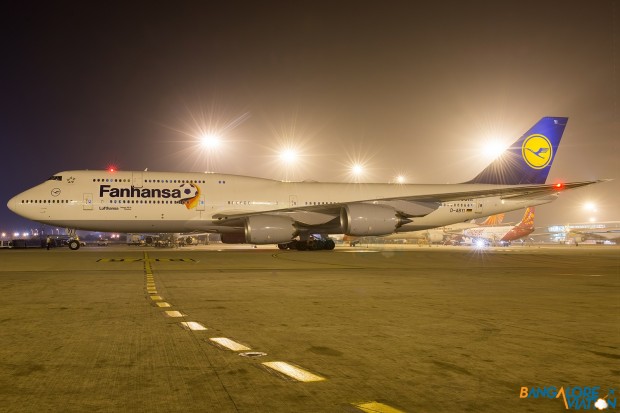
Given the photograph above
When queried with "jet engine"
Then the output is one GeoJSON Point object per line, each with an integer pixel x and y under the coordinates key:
{"type": "Point", "coordinates": [366, 220]}
{"type": "Point", "coordinates": [263, 229]}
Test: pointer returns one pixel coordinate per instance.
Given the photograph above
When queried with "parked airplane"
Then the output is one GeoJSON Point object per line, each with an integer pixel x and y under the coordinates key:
{"type": "Point", "coordinates": [499, 234]}
{"type": "Point", "coordinates": [262, 211]}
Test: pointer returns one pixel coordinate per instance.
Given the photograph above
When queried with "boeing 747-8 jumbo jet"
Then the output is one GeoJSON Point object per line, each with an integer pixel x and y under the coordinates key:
{"type": "Point", "coordinates": [262, 211]}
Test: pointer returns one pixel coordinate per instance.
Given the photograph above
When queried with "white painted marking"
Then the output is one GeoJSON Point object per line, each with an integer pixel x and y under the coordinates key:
{"type": "Point", "coordinates": [358, 251]}
{"type": "Point", "coordinates": [193, 325]}
{"type": "Point", "coordinates": [229, 344]}
{"type": "Point", "coordinates": [174, 314]}
{"type": "Point", "coordinates": [292, 371]}
{"type": "Point", "coordinates": [376, 407]}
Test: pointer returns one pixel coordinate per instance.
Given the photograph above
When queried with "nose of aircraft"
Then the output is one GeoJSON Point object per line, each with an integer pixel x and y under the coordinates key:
{"type": "Point", "coordinates": [12, 204]}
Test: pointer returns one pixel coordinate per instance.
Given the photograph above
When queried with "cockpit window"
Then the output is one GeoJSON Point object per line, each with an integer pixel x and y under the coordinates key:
{"type": "Point", "coordinates": [55, 178]}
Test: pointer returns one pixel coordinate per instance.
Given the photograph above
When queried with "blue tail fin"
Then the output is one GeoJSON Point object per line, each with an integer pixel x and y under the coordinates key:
{"type": "Point", "coordinates": [529, 159]}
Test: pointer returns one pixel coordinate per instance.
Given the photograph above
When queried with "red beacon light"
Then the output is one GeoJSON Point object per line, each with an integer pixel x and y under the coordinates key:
{"type": "Point", "coordinates": [558, 186]}
{"type": "Point", "coordinates": [111, 169]}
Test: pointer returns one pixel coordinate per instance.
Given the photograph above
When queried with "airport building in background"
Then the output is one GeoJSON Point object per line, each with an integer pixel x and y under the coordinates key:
{"type": "Point", "coordinates": [601, 232]}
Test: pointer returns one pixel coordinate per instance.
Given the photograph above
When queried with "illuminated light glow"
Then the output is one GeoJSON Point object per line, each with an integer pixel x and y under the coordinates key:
{"type": "Point", "coordinates": [376, 407]}
{"type": "Point", "coordinates": [289, 155]}
{"type": "Point", "coordinates": [174, 313]}
{"type": "Point", "coordinates": [492, 148]}
{"type": "Point", "coordinates": [558, 185]}
{"type": "Point", "coordinates": [480, 243]}
{"type": "Point", "coordinates": [25, 234]}
{"type": "Point", "coordinates": [210, 141]}
{"type": "Point", "coordinates": [163, 304]}
{"type": "Point", "coordinates": [293, 372]}
{"type": "Point", "coordinates": [16, 234]}
{"type": "Point", "coordinates": [601, 404]}
{"type": "Point", "coordinates": [590, 206]}
{"type": "Point", "coordinates": [229, 344]}
{"type": "Point", "coordinates": [193, 325]}
{"type": "Point", "coordinates": [592, 219]}
{"type": "Point", "coordinates": [400, 179]}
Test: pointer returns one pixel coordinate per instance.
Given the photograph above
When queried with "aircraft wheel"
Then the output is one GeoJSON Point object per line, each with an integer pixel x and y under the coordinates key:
{"type": "Point", "coordinates": [302, 246]}
{"type": "Point", "coordinates": [330, 244]}
{"type": "Point", "coordinates": [74, 244]}
{"type": "Point", "coordinates": [283, 246]}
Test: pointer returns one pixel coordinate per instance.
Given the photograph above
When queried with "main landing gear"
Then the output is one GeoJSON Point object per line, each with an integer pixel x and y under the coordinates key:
{"type": "Point", "coordinates": [73, 242]}
{"type": "Point", "coordinates": [312, 244]}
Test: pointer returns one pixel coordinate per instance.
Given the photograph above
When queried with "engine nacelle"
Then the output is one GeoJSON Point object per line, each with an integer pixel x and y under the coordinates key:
{"type": "Point", "coordinates": [264, 229]}
{"type": "Point", "coordinates": [365, 219]}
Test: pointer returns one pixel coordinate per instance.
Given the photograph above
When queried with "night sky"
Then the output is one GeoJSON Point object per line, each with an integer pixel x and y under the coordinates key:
{"type": "Point", "coordinates": [413, 88]}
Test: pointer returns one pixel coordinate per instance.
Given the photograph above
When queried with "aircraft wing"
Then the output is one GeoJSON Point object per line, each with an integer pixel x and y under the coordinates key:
{"type": "Point", "coordinates": [408, 206]}
{"type": "Point", "coordinates": [508, 192]}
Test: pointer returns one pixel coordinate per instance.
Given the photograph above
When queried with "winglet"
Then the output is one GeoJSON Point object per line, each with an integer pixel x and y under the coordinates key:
{"type": "Point", "coordinates": [529, 159]}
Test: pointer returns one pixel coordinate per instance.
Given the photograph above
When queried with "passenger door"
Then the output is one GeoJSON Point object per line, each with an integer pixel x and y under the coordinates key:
{"type": "Point", "coordinates": [88, 201]}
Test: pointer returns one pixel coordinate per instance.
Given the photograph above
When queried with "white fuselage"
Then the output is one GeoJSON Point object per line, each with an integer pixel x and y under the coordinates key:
{"type": "Point", "coordinates": [155, 201]}
{"type": "Point", "coordinates": [495, 233]}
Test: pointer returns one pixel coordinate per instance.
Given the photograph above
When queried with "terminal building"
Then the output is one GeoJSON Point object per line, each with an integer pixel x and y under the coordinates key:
{"type": "Point", "coordinates": [598, 232]}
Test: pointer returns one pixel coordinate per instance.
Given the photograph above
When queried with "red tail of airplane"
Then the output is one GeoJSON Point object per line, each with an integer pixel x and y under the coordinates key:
{"type": "Point", "coordinates": [523, 228]}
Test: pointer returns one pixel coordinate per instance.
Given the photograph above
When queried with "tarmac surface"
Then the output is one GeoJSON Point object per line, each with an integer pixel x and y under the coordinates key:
{"type": "Point", "coordinates": [412, 329]}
